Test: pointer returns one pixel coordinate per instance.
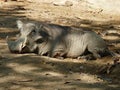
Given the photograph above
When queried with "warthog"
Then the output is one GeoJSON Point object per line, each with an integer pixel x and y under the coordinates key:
{"type": "Point", "coordinates": [56, 40]}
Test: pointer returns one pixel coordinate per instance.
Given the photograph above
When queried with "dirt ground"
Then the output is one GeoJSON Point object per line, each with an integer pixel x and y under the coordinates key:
{"type": "Point", "coordinates": [33, 72]}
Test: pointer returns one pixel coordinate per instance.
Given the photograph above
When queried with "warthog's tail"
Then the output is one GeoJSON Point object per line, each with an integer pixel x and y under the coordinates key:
{"type": "Point", "coordinates": [112, 53]}
{"type": "Point", "coordinates": [108, 53]}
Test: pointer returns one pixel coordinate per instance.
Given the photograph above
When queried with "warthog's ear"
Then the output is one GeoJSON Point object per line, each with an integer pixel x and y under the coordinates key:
{"type": "Point", "coordinates": [7, 38]}
{"type": "Point", "coordinates": [19, 24]}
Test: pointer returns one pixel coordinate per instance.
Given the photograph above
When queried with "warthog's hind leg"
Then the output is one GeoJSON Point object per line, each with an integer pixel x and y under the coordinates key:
{"type": "Point", "coordinates": [87, 57]}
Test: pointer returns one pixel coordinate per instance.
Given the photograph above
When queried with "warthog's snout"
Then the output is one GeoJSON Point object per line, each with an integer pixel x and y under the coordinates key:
{"type": "Point", "coordinates": [17, 45]}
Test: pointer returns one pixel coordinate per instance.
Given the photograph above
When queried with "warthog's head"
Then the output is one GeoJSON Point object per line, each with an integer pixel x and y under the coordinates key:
{"type": "Point", "coordinates": [30, 36]}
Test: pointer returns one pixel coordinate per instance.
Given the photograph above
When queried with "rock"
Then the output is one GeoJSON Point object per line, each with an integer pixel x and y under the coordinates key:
{"type": "Point", "coordinates": [65, 3]}
{"type": "Point", "coordinates": [68, 3]}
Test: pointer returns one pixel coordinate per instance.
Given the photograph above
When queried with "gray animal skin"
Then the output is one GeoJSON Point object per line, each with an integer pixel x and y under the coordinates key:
{"type": "Point", "coordinates": [56, 40]}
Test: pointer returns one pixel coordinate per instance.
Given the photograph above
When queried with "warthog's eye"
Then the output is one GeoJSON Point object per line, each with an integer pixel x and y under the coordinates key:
{"type": "Point", "coordinates": [33, 31]}
{"type": "Point", "coordinates": [39, 41]}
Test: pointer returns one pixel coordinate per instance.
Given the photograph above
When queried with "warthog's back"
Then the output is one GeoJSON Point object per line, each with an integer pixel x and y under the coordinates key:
{"type": "Point", "coordinates": [76, 40]}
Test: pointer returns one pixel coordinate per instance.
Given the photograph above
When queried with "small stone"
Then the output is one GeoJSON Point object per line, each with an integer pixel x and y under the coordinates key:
{"type": "Point", "coordinates": [68, 3]}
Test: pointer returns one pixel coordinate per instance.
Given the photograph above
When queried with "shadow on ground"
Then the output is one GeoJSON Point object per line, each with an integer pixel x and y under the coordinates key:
{"type": "Point", "coordinates": [32, 71]}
